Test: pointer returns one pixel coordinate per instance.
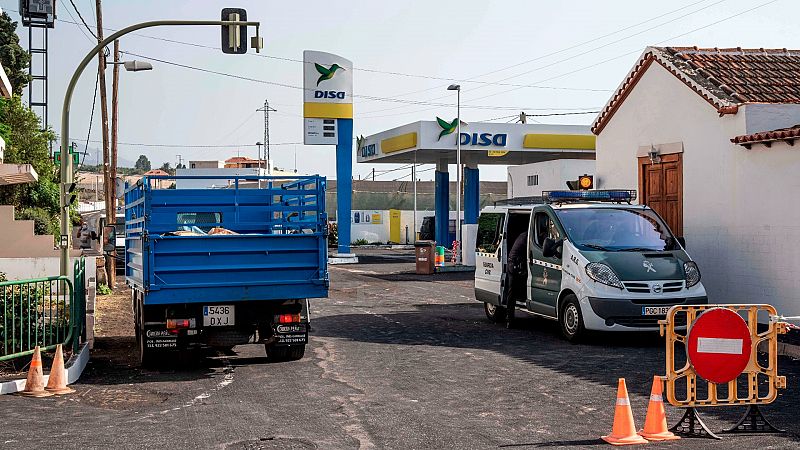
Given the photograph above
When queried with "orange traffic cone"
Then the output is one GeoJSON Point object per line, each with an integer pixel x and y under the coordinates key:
{"type": "Point", "coordinates": [57, 383]}
{"type": "Point", "coordinates": [655, 425]}
{"type": "Point", "coordinates": [34, 385]}
{"type": "Point", "coordinates": [624, 431]}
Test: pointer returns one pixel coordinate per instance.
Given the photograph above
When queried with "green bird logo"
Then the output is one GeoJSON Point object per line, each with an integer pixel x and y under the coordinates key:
{"type": "Point", "coordinates": [326, 72]}
{"type": "Point", "coordinates": [447, 128]}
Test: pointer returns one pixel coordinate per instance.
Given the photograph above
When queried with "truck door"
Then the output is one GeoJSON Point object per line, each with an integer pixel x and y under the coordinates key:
{"type": "Point", "coordinates": [545, 279]}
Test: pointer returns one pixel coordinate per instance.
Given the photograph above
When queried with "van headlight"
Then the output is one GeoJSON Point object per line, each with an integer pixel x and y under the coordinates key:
{"type": "Point", "coordinates": [603, 274]}
{"type": "Point", "coordinates": [692, 273]}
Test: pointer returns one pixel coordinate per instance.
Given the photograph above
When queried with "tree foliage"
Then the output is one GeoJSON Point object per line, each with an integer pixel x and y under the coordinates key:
{"type": "Point", "coordinates": [27, 144]}
{"type": "Point", "coordinates": [142, 164]}
{"type": "Point", "coordinates": [14, 58]}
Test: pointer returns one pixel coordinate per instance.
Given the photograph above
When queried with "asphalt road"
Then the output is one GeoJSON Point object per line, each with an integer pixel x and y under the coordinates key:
{"type": "Point", "coordinates": [396, 360]}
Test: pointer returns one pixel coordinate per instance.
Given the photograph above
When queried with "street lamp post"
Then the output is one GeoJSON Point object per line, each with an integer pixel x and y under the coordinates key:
{"type": "Point", "coordinates": [457, 88]}
{"type": "Point", "coordinates": [67, 177]}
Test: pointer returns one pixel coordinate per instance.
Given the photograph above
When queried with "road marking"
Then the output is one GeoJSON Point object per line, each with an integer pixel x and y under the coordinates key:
{"type": "Point", "coordinates": [719, 345]}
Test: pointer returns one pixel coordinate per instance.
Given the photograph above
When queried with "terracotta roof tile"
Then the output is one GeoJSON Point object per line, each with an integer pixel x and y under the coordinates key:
{"type": "Point", "coordinates": [725, 77]}
{"type": "Point", "coordinates": [782, 134]}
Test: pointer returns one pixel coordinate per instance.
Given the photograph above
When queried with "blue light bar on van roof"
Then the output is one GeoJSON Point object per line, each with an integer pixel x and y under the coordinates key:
{"type": "Point", "coordinates": [613, 195]}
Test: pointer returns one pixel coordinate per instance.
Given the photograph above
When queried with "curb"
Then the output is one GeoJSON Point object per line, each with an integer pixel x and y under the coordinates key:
{"type": "Point", "coordinates": [74, 368]}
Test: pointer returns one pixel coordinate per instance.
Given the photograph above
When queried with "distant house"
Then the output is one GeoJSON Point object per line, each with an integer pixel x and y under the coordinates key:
{"type": "Point", "coordinates": [707, 136]}
{"type": "Point", "coordinates": [158, 184]}
{"type": "Point", "coordinates": [243, 162]}
{"type": "Point", "coordinates": [529, 180]}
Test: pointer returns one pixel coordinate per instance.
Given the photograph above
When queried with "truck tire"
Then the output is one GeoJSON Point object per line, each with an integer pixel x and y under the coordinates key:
{"type": "Point", "coordinates": [282, 354]}
{"type": "Point", "coordinates": [571, 320]}
{"type": "Point", "coordinates": [495, 313]}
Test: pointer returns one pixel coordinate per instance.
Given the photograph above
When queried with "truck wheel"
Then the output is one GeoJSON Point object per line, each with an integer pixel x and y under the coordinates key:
{"type": "Point", "coordinates": [571, 320]}
{"type": "Point", "coordinates": [494, 313]}
{"type": "Point", "coordinates": [281, 354]}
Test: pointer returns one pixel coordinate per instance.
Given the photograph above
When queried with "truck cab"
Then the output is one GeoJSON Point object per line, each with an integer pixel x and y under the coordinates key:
{"type": "Point", "coordinates": [595, 261]}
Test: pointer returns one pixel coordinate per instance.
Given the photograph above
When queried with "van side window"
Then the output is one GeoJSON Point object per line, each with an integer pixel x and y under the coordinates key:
{"type": "Point", "coordinates": [544, 227]}
{"type": "Point", "coordinates": [490, 229]}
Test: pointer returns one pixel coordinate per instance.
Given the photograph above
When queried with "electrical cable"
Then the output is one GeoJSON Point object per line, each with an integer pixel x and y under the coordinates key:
{"type": "Point", "coordinates": [366, 97]}
{"type": "Point", "coordinates": [91, 119]}
{"type": "Point", "coordinates": [594, 64]}
{"type": "Point", "coordinates": [361, 69]}
{"type": "Point", "coordinates": [155, 145]}
{"type": "Point", "coordinates": [82, 20]}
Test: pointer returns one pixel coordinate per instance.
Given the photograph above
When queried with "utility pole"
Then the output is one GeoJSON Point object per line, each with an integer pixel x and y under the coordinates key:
{"type": "Point", "coordinates": [112, 169]}
{"type": "Point", "coordinates": [111, 214]}
{"type": "Point", "coordinates": [266, 110]}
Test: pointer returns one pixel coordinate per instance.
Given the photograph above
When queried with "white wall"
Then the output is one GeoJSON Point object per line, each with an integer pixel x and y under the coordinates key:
{"type": "Point", "coordinates": [740, 222]}
{"type": "Point", "coordinates": [553, 175]}
{"type": "Point", "coordinates": [767, 117]}
{"type": "Point", "coordinates": [207, 183]}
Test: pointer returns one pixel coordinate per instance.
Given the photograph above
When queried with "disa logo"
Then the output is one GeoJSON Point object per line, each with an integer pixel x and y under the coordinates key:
{"type": "Point", "coordinates": [479, 139]}
{"type": "Point", "coordinates": [447, 128]}
{"type": "Point", "coordinates": [326, 73]}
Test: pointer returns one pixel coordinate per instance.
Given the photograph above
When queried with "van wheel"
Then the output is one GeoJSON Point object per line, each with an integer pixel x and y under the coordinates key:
{"type": "Point", "coordinates": [494, 313]}
{"type": "Point", "coordinates": [571, 320]}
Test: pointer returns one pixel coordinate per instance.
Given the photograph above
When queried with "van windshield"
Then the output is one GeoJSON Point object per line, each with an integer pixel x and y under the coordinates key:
{"type": "Point", "coordinates": [616, 229]}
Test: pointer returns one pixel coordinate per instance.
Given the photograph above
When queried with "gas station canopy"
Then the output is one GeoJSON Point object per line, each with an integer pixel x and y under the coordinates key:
{"type": "Point", "coordinates": [434, 142]}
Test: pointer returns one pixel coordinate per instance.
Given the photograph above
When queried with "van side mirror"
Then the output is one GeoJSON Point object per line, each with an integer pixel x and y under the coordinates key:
{"type": "Point", "coordinates": [682, 241]}
{"type": "Point", "coordinates": [500, 254]}
{"type": "Point", "coordinates": [550, 248]}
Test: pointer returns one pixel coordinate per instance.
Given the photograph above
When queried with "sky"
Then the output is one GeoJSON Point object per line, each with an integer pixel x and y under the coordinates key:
{"type": "Point", "coordinates": [541, 57]}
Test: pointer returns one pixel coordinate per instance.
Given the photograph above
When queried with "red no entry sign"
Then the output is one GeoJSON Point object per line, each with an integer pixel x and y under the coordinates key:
{"type": "Point", "coordinates": [719, 345]}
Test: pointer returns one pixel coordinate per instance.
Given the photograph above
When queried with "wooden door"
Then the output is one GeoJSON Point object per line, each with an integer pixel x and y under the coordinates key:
{"type": "Point", "coordinates": [661, 188]}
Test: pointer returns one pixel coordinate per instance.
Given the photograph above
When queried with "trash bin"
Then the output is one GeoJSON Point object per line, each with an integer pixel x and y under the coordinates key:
{"type": "Point", "coordinates": [424, 256]}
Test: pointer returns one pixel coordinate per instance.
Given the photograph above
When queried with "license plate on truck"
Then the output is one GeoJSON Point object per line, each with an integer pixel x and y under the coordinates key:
{"type": "Point", "coordinates": [655, 310]}
{"type": "Point", "coordinates": [218, 316]}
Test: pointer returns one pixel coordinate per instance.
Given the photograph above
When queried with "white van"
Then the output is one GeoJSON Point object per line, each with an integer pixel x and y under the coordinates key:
{"type": "Point", "coordinates": [595, 262]}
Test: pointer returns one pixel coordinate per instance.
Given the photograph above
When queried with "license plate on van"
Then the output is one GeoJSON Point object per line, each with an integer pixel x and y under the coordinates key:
{"type": "Point", "coordinates": [655, 310]}
{"type": "Point", "coordinates": [218, 316]}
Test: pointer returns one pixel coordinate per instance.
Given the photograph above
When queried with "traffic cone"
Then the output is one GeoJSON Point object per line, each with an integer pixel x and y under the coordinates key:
{"type": "Point", "coordinates": [57, 383]}
{"type": "Point", "coordinates": [624, 431]}
{"type": "Point", "coordinates": [655, 425]}
{"type": "Point", "coordinates": [34, 385]}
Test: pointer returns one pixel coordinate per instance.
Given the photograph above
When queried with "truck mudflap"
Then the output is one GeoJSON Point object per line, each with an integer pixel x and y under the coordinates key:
{"type": "Point", "coordinates": [160, 339]}
{"type": "Point", "coordinates": [290, 334]}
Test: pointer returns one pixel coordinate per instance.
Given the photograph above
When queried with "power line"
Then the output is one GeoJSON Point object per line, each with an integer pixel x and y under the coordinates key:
{"type": "Point", "coordinates": [585, 52]}
{"type": "Point", "coordinates": [359, 96]}
{"type": "Point", "coordinates": [637, 51]}
{"type": "Point", "coordinates": [82, 19]}
{"type": "Point", "coordinates": [155, 145]}
{"type": "Point", "coordinates": [91, 118]}
{"type": "Point", "coordinates": [590, 66]}
{"type": "Point", "coordinates": [361, 69]}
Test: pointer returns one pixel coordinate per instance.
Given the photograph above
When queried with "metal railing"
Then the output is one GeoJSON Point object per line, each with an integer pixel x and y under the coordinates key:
{"type": "Point", "coordinates": [42, 311]}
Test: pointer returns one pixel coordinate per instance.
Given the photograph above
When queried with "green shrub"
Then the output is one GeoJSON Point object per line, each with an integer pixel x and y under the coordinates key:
{"type": "Point", "coordinates": [103, 289]}
{"type": "Point", "coordinates": [360, 242]}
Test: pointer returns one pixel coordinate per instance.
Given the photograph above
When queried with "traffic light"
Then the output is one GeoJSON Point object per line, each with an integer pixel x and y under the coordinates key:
{"type": "Point", "coordinates": [583, 183]}
{"type": "Point", "coordinates": [234, 37]}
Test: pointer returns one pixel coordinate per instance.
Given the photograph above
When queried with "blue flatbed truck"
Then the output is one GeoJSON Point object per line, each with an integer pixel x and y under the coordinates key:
{"type": "Point", "coordinates": [248, 284]}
